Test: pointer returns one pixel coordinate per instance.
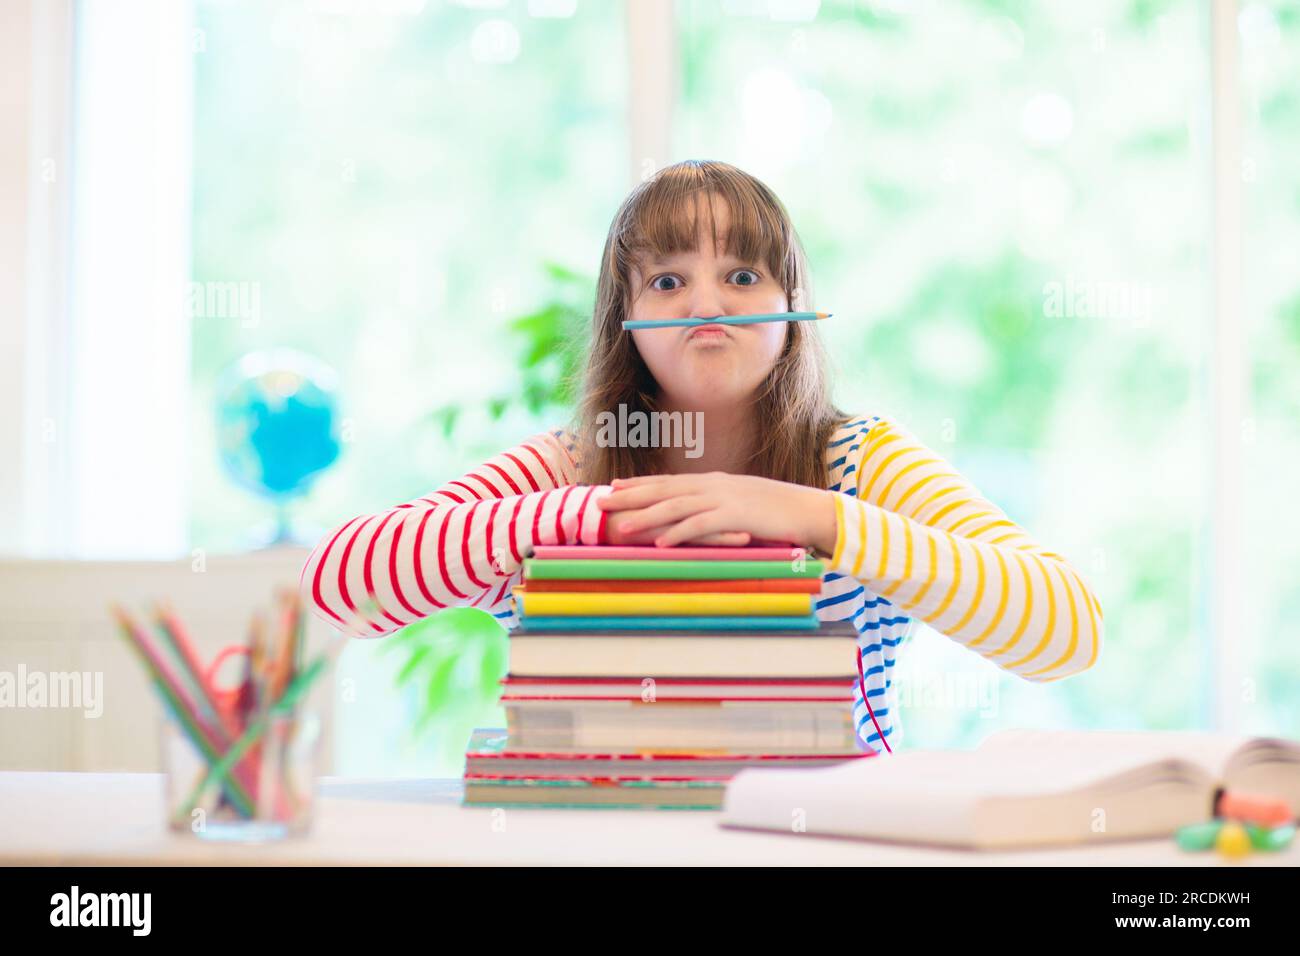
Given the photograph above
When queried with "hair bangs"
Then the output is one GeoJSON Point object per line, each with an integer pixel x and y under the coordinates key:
{"type": "Point", "coordinates": [664, 220]}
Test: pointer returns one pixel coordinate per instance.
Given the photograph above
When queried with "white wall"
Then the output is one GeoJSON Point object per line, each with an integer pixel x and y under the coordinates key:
{"type": "Point", "coordinates": [54, 618]}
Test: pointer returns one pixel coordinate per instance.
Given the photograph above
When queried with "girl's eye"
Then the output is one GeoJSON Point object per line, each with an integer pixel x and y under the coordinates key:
{"type": "Point", "coordinates": [750, 277]}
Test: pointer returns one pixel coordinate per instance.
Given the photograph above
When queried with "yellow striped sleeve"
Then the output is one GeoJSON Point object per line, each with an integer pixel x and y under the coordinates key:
{"type": "Point", "coordinates": [918, 533]}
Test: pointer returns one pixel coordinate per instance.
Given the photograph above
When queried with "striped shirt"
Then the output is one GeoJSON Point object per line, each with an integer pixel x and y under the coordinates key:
{"type": "Point", "coordinates": [914, 541]}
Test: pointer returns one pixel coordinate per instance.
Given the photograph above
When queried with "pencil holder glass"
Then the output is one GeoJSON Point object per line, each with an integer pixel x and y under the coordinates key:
{"type": "Point", "coordinates": [267, 794]}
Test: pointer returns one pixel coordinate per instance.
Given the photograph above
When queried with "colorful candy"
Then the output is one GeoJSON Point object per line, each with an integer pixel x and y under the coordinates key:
{"type": "Point", "coordinates": [1197, 837]}
{"type": "Point", "coordinates": [1257, 808]}
{"type": "Point", "coordinates": [1233, 841]}
{"type": "Point", "coordinates": [1242, 822]}
{"type": "Point", "coordinates": [1270, 839]}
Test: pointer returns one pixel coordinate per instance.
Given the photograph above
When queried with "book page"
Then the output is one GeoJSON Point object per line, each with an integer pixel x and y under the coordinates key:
{"type": "Point", "coordinates": [1210, 751]}
{"type": "Point", "coordinates": [932, 795]}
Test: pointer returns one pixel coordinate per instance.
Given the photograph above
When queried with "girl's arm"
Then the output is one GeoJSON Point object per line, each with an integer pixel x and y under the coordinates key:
{"type": "Point", "coordinates": [461, 545]}
{"type": "Point", "coordinates": [921, 536]}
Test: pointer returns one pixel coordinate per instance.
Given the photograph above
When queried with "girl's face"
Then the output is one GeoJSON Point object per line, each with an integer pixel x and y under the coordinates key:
{"type": "Point", "coordinates": [707, 366]}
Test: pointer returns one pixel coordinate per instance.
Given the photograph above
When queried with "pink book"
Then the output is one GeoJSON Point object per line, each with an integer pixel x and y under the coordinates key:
{"type": "Point", "coordinates": [584, 552]}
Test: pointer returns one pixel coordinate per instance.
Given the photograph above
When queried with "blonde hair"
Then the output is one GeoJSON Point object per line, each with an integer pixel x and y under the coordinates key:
{"type": "Point", "coordinates": [792, 406]}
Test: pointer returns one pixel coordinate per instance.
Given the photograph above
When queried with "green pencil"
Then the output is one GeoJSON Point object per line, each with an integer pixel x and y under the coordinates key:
{"type": "Point", "coordinates": [220, 769]}
{"type": "Point", "coordinates": [200, 735]}
{"type": "Point", "coordinates": [727, 320]}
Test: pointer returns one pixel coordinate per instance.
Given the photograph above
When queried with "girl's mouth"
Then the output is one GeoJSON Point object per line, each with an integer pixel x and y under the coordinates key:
{"type": "Point", "coordinates": [708, 332]}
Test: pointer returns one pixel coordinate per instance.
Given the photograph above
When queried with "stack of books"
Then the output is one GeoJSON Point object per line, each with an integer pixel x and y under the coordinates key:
{"type": "Point", "coordinates": [648, 677]}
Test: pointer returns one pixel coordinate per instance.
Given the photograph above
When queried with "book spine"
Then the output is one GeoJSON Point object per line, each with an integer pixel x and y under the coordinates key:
{"type": "Point", "coordinates": [670, 570]}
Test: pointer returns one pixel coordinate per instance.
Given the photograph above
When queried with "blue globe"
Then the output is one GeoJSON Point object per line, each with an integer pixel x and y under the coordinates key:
{"type": "Point", "coordinates": [277, 423]}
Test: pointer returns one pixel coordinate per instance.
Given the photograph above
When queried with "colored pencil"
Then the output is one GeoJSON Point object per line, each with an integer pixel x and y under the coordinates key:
{"type": "Point", "coordinates": [207, 739]}
{"type": "Point", "coordinates": [727, 320]}
{"type": "Point", "coordinates": [282, 647]}
{"type": "Point", "coordinates": [221, 767]}
{"type": "Point", "coordinates": [182, 648]}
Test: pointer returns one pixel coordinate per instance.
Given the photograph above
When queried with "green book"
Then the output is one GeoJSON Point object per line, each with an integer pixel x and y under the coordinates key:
{"type": "Point", "coordinates": [571, 793]}
{"type": "Point", "coordinates": [607, 569]}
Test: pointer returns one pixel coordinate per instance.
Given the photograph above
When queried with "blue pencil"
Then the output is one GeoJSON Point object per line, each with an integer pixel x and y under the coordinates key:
{"type": "Point", "coordinates": [727, 320]}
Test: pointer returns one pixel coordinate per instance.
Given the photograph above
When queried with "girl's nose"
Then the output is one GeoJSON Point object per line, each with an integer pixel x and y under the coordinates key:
{"type": "Point", "coordinates": [706, 303]}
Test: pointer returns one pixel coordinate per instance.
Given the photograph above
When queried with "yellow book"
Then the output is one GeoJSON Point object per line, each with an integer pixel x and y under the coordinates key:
{"type": "Point", "coordinates": [655, 604]}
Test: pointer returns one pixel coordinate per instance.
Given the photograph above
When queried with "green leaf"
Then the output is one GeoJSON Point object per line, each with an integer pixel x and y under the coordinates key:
{"type": "Point", "coordinates": [412, 664]}
{"type": "Point", "coordinates": [446, 418]}
{"type": "Point", "coordinates": [563, 273]}
{"type": "Point", "coordinates": [400, 639]}
{"type": "Point", "coordinates": [435, 695]}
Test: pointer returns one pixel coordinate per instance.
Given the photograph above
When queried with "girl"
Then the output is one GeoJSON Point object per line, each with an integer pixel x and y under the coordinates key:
{"type": "Point", "coordinates": [904, 536]}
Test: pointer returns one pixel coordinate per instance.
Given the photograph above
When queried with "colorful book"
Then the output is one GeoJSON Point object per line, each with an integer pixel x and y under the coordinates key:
{"type": "Point", "coordinates": [491, 753]}
{"type": "Point", "coordinates": [649, 677]}
{"type": "Point", "coordinates": [822, 653]}
{"type": "Point", "coordinates": [586, 792]}
{"type": "Point", "coordinates": [614, 552]}
{"type": "Point", "coordinates": [698, 623]}
{"type": "Point", "coordinates": [751, 586]}
{"type": "Point", "coordinates": [669, 570]}
{"type": "Point", "coordinates": [664, 604]}
{"type": "Point", "coordinates": [674, 688]}
{"type": "Point", "coordinates": [621, 725]}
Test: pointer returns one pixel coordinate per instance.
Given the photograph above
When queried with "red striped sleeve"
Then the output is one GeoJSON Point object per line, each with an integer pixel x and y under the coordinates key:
{"type": "Point", "coordinates": [438, 551]}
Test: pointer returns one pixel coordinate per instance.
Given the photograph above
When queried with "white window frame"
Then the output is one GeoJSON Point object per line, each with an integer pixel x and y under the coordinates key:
{"type": "Point", "coordinates": [1228, 631]}
{"type": "Point", "coordinates": [99, 364]}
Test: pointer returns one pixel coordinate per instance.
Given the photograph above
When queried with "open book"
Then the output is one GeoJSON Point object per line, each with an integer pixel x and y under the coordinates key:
{"type": "Point", "coordinates": [1021, 788]}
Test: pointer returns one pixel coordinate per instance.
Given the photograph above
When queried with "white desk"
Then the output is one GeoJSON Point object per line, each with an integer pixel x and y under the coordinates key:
{"type": "Point", "coordinates": [116, 819]}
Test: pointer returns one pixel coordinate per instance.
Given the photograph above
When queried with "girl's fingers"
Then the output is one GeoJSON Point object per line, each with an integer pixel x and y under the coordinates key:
{"type": "Point", "coordinates": [639, 525]}
{"type": "Point", "coordinates": [649, 536]}
{"type": "Point", "coordinates": [638, 497]}
{"type": "Point", "coordinates": [697, 525]}
{"type": "Point", "coordinates": [678, 483]}
{"type": "Point", "coordinates": [618, 534]}
{"type": "Point", "coordinates": [667, 512]}
{"type": "Point", "coordinates": [729, 539]}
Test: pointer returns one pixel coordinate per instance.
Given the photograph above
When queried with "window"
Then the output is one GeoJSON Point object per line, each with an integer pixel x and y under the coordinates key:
{"type": "Point", "coordinates": [1011, 208]}
{"type": "Point", "coordinates": [1006, 207]}
{"type": "Point", "coordinates": [380, 183]}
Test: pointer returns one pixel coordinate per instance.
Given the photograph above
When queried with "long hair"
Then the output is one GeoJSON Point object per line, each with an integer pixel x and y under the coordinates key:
{"type": "Point", "coordinates": [792, 406]}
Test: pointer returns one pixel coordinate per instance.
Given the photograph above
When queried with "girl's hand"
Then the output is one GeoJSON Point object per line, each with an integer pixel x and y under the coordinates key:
{"type": "Point", "coordinates": [621, 528]}
{"type": "Point", "coordinates": [675, 509]}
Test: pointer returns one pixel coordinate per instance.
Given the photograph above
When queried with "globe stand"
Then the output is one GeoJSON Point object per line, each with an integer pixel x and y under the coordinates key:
{"type": "Point", "coordinates": [280, 531]}
{"type": "Point", "coordinates": [283, 526]}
